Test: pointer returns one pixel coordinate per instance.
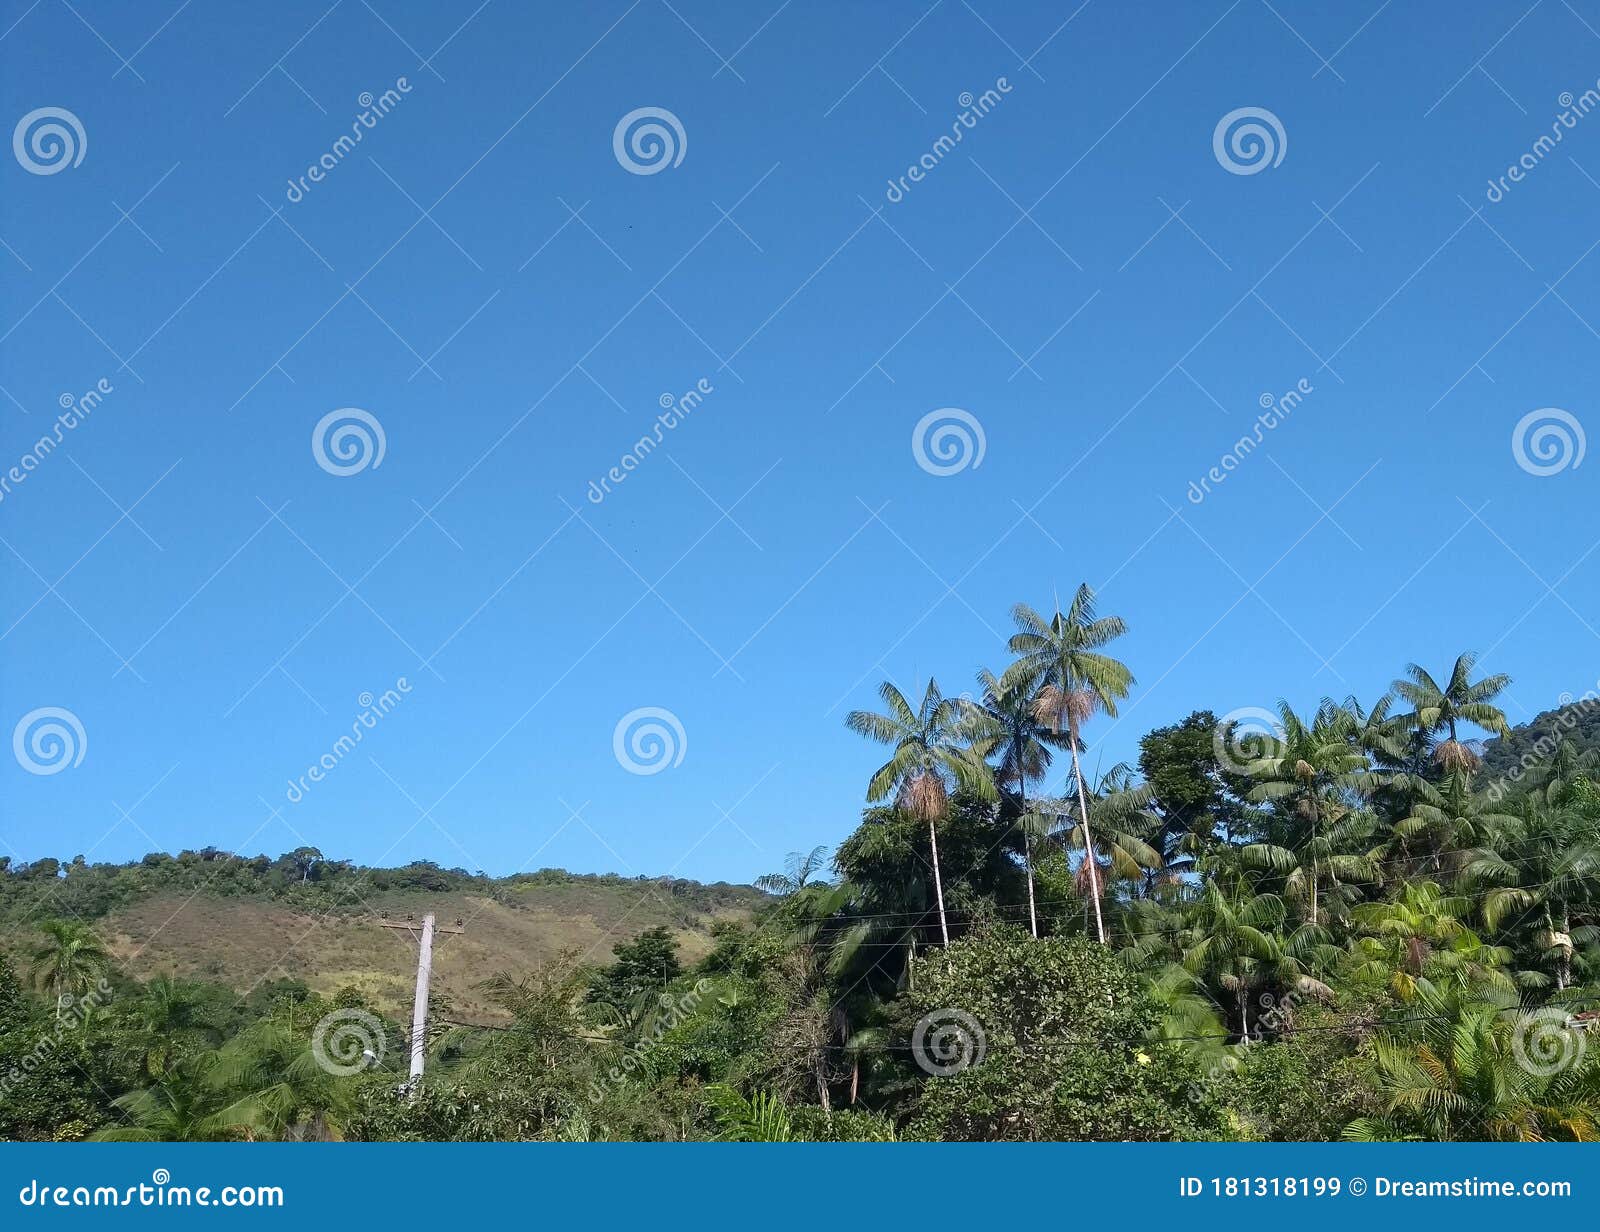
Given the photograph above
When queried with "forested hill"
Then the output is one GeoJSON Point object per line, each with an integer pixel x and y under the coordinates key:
{"type": "Point", "coordinates": [1577, 722]}
{"type": "Point", "coordinates": [255, 921]}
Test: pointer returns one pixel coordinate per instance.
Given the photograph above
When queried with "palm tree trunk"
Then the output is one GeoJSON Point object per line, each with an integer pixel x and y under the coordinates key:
{"type": "Point", "coordinates": [1027, 851]}
{"type": "Point", "coordinates": [938, 886]}
{"type": "Point", "coordinates": [1088, 838]}
{"type": "Point", "coordinates": [1564, 959]}
{"type": "Point", "coordinates": [1027, 860]}
{"type": "Point", "coordinates": [1315, 817]}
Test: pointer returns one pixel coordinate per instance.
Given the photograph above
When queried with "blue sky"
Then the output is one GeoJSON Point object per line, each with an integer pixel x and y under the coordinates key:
{"type": "Point", "coordinates": [1082, 275]}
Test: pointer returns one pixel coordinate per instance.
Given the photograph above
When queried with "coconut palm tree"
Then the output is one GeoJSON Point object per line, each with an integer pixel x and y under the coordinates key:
{"type": "Point", "coordinates": [1460, 700]}
{"type": "Point", "coordinates": [68, 961]}
{"type": "Point", "coordinates": [1064, 653]}
{"type": "Point", "coordinates": [931, 755]}
{"type": "Point", "coordinates": [1307, 765]}
{"type": "Point", "coordinates": [1006, 719]}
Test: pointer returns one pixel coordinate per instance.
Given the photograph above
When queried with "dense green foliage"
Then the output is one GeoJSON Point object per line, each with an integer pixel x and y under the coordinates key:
{"type": "Point", "coordinates": [1357, 922]}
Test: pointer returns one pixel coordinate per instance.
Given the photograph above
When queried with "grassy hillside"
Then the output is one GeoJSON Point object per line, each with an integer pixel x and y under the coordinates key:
{"type": "Point", "coordinates": [245, 923]}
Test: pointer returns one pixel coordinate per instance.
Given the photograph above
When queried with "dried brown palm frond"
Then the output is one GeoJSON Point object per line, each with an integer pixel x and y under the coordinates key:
{"type": "Point", "coordinates": [1068, 708]}
{"type": "Point", "coordinates": [1455, 757]}
{"type": "Point", "coordinates": [1084, 883]}
{"type": "Point", "coordinates": [924, 796]}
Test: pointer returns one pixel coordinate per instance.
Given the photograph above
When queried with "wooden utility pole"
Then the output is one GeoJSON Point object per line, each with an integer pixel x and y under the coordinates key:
{"type": "Point", "coordinates": [419, 1005]}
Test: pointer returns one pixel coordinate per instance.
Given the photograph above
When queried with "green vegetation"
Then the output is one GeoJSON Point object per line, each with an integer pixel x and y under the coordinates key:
{"type": "Point", "coordinates": [1351, 921]}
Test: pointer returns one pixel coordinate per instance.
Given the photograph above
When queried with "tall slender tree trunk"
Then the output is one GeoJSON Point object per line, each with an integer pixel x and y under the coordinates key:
{"type": "Point", "coordinates": [1564, 953]}
{"type": "Point", "coordinates": [938, 886]}
{"type": "Point", "coordinates": [1027, 851]}
{"type": "Point", "coordinates": [1316, 815]}
{"type": "Point", "coordinates": [1088, 837]}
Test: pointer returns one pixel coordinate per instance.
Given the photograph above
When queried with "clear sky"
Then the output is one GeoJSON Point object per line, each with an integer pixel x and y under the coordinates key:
{"type": "Point", "coordinates": [1102, 284]}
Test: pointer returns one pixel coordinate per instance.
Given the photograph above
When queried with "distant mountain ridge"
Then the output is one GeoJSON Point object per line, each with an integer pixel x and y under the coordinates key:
{"type": "Point", "coordinates": [1577, 721]}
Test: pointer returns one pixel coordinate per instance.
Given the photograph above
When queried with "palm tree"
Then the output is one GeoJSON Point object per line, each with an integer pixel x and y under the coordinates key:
{"type": "Point", "coordinates": [1455, 1073]}
{"type": "Point", "coordinates": [184, 1106]}
{"type": "Point", "coordinates": [1064, 653]}
{"type": "Point", "coordinates": [1339, 852]}
{"type": "Point", "coordinates": [167, 1016]}
{"type": "Point", "coordinates": [930, 754]}
{"type": "Point", "coordinates": [1113, 841]}
{"type": "Point", "coordinates": [798, 870]}
{"type": "Point", "coordinates": [1422, 926]}
{"type": "Point", "coordinates": [1306, 764]}
{"type": "Point", "coordinates": [1436, 709]}
{"type": "Point", "coordinates": [1007, 719]}
{"type": "Point", "coordinates": [68, 961]}
{"type": "Point", "coordinates": [1543, 866]}
{"type": "Point", "coordinates": [1234, 939]}
{"type": "Point", "coordinates": [277, 1086]}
